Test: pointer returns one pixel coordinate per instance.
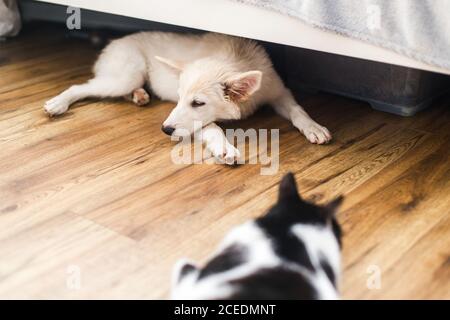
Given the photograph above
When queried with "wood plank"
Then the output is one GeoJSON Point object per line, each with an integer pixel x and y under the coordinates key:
{"type": "Point", "coordinates": [96, 188]}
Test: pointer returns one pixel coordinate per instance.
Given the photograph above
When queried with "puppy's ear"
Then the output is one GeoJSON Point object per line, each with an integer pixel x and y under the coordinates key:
{"type": "Point", "coordinates": [240, 87]}
{"type": "Point", "coordinates": [288, 188]}
{"type": "Point", "coordinates": [182, 269]}
{"type": "Point", "coordinates": [332, 207]}
{"type": "Point", "coordinates": [176, 66]}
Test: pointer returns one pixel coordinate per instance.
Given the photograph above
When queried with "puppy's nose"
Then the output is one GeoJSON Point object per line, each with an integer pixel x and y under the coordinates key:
{"type": "Point", "coordinates": [168, 130]}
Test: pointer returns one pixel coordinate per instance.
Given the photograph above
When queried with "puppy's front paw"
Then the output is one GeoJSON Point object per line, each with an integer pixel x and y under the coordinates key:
{"type": "Point", "coordinates": [56, 106]}
{"type": "Point", "coordinates": [315, 133]}
{"type": "Point", "coordinates": [224, 152]}
{"type": "Point", "coordinates": [231, 155]}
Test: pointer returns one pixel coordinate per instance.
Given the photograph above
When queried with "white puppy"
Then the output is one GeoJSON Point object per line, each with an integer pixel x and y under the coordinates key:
{"type": "Point", "coordinates": [213, 77]}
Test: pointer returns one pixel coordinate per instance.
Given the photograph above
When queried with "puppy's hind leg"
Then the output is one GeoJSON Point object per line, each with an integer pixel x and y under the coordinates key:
{"type": "Point", "coordinates": [100, 86]}
{"type": "Point", "coordinates": [139, 97]}
{"type": "Point", "coordinates": [287, 107]}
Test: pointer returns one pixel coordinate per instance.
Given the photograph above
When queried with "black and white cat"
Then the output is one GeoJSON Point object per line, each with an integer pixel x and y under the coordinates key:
{"type": "Point", "coordinates": [293, 252]}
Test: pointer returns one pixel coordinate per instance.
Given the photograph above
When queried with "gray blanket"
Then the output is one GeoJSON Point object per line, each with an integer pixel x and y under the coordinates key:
{"type": "Point", "coordinates": [419, 29]}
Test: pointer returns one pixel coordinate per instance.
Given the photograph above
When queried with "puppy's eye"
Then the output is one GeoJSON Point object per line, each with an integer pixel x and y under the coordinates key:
{"type": "Point", "coordinates": [196, 103]}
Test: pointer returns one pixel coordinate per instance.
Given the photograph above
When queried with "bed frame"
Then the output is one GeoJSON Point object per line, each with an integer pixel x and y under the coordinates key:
{"type": "Point", "coordinates": [234, 18]}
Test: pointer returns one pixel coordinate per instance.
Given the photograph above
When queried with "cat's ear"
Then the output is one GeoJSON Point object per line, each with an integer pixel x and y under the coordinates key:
{"type": "Point", "coordinates": [288, 188]}
{"type": "Point", "coordinates": [175, 66]}
{"type": "Point", "coordinates": [182, 269]}
{"type": "Point", "coordinates": [332, 207]}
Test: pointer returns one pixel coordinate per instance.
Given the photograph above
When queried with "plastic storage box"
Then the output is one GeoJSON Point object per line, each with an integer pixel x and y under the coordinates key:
{"type": "Point", "coordinates": [395, 89]}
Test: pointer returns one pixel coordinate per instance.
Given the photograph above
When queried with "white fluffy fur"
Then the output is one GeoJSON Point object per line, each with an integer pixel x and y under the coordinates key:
{"type": "Point", "coordinates": [182, 68]}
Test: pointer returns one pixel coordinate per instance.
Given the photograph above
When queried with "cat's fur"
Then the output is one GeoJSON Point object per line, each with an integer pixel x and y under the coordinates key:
{"type": "Point", "coordinates": [293, 252]}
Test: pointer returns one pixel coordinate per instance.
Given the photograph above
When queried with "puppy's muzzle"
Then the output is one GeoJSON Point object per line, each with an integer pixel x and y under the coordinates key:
{"type": "Point", "coordinates": [168, 130]}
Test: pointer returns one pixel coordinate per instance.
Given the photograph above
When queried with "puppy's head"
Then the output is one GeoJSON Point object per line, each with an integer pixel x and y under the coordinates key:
{"type": "Point", "coordinates": [207, 92]}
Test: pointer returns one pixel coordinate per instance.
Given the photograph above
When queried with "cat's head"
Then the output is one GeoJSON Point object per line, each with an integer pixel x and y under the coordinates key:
{"type": "Point", "coordinates": [293, 234]}
{"type": "Point", "coordinates": [291, 209]}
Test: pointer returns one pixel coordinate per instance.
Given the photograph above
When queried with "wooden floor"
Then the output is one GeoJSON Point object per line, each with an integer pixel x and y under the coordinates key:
{"type": "Point", "coordinates": [94, 193]}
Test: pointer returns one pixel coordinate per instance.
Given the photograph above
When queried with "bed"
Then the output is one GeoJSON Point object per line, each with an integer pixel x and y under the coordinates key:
{"type": "Point", "coordinates": [406, 63]}
{"type": "Point", "coordinates": [243, 19]}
